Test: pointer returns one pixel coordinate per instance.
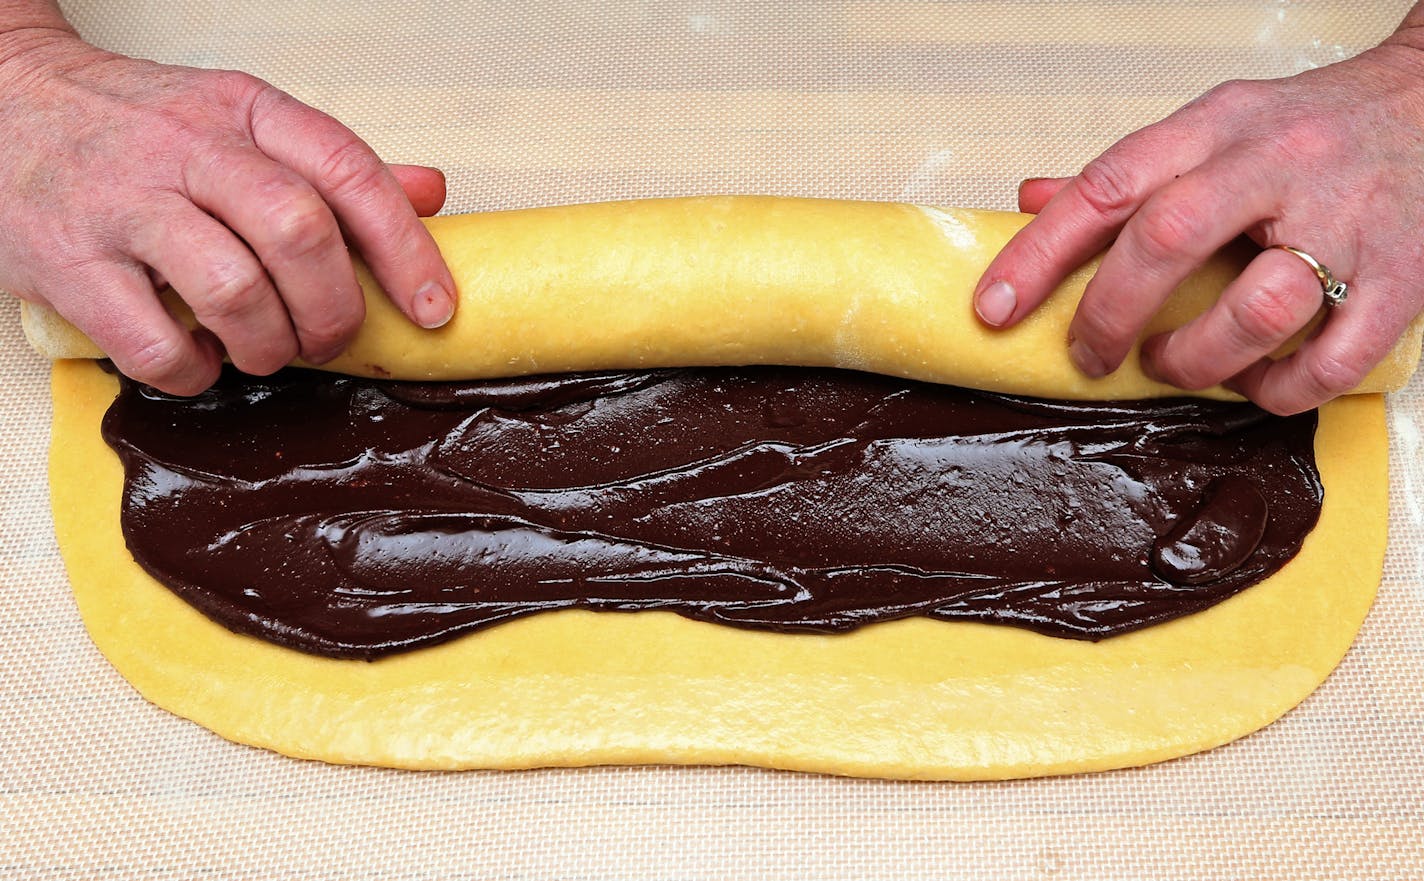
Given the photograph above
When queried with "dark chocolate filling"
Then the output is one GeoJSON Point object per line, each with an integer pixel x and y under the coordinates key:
{"type": "Point", "coordinates": [356, 518]}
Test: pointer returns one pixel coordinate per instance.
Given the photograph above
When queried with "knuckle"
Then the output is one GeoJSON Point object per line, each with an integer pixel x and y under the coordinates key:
{"type": "Point", "coordinates": [232, 292]}
{"type": "Point", "coordinates": [161, 362]}
{"type": "Point", "coordinates": [1232, 93]}
{"type": "Point", "coordinates": [1091, 326]}
{"type": "Point", "coordinates": [1228, 107]}
{"type": "Point", "coordinates": [1267, 316]}
{"type": "Point", "coordinates": [1328, 375]}
{"type": "Point", "coordinates": [278, 352]}
{"type": "Point", "coordinates": [1090, 329]}
{"type": "Point", "coordinates": [238, 88]}
{"type": "Point", "coordinates": [351, 168]}
{"type": "Point", "coordinates": [1032, 253]}
{"type": "Point", "coordinates": [331, 332]}
{"type": "Point", "coordinates": [301, 225]}
{"type": "Point", "coordinates": [1099, 324]}
{"type": "Point", "coordinates": [1106, 337]}
{"type": "Point", "coordinates": [203, 162]}
{"type": "Point", "coordinates": [1167, 228]}
{"type": "Point", "coordinates": [1107, 186]}
{"type": "Point", "coordinates": [1189, 375]}
{"type": "Point", "coordinates": [1274, 402]}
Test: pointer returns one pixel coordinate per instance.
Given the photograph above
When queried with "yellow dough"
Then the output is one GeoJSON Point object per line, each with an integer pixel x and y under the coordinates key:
{"type": "Point", "coordinates": [732, 281]}
{"type": "Point", "coordinates": [914, 698]}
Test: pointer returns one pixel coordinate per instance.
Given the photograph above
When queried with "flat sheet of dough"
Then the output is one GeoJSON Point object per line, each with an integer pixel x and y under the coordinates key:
{"type": "Point", "coordinates": [912, 699]}
{"type": "Point", "coordinates": [733, 280]}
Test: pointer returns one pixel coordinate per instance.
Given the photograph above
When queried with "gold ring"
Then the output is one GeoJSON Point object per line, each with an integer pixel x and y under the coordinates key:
{"type": "Point", "coordinates": [1334, 290]}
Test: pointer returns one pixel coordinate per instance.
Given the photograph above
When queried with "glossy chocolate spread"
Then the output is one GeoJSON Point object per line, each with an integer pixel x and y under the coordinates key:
{"type": "Point", "coordinates": [356, 518]}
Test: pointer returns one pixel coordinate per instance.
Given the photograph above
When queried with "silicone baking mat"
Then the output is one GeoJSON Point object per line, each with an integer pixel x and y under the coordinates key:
{"type": "Point", "coordinates": [544, 102]}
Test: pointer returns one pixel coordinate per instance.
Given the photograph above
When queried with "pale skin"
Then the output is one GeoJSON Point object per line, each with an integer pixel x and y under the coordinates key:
{"type": "Point", "coordinates": [1330, 161]}
{"type": "Point", "coordinates": [118, 176]}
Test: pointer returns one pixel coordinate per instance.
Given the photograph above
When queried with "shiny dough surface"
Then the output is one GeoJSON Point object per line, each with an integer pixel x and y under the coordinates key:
{"type": "Point", "coordinates": [911, 699]}
{"type": "Point", "coordinates": [737, 280]}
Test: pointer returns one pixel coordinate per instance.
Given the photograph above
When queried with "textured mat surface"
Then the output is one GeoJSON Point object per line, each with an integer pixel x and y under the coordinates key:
{"type": "Point", "coordinates": [548, 102]}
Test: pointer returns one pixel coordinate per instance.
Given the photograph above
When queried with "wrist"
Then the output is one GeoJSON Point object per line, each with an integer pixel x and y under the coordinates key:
{"type": "Point", "coordinates": [23, 14]}
{"type": "Point", "coordinates": [1396, 65]}
{"type": "Point", "coordinates": [1406, 44]}
{"type": "Point", "coordinates": [29, 51]}
{"type": "Point", "coordinates": [26, 22]}
{"type": "Point", "coordinates": [19, 40]}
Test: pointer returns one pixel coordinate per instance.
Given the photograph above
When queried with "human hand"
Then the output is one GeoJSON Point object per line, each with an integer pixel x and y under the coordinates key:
{"type": "Point", "coordinates": [1330, 161]}
{"type": "Point", "coordinates": [118, 175]}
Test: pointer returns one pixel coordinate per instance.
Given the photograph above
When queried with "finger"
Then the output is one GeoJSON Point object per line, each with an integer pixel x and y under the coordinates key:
{"type": "Point", "coordinates": [1035, 192]}
{"type": "Point", "coordinates": [124, 318]}
{"type": "Point", "coordinates": [1083, 217]}
{"type": "Point", "coordinates": [1334, 361]}
{"type": "Point", "coordinates": [366, 198]}
{"type": "Point", "coordinates": [1175, 231]}
{"type": "Point", "coordinates": [220, 278]}
{"type": "Point", "coordinates": [424, 187]}
{"type": "Point", "coordinates": [1273, 298]}
{"type": "Point", "coordinates": [289, 227]}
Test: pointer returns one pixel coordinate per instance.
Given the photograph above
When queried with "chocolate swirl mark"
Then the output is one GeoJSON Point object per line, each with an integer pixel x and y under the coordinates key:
{"type": "Point", "coordinates": [356, 518]}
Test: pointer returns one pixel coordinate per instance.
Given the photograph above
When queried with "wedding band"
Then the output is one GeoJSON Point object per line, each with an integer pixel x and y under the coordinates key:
{"type": "Point", "coordinates": [1335, 291]}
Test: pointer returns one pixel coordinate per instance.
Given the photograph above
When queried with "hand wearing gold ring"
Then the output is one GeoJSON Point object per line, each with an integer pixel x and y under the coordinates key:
{"type": "Point", "coordinates": [1332, 289]}
{"type": "Point", "coordinates": [1325, 170]}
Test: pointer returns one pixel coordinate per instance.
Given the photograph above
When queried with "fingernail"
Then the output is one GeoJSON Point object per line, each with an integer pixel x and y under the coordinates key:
{"type": "Point", "coordinates": [996, 304]}
{"type": "Point", "coordinates": [433, 306]}
{"type": "Point", "coordinates": [1087, 360]}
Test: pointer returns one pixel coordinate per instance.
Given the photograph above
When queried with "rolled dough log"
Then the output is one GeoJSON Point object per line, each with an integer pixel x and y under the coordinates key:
{"type": "Point", "coordinates": [732, 281]}
{"type": "Point", "coordinates": [736, 280]}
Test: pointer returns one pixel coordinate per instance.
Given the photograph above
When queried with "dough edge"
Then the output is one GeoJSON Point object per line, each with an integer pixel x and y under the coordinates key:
{"type": "Point", "coordinates": [915, 699]}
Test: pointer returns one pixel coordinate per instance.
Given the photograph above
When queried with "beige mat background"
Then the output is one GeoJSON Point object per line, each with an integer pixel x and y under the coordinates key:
{"type": "Point", "coordinates": [543, 102]}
